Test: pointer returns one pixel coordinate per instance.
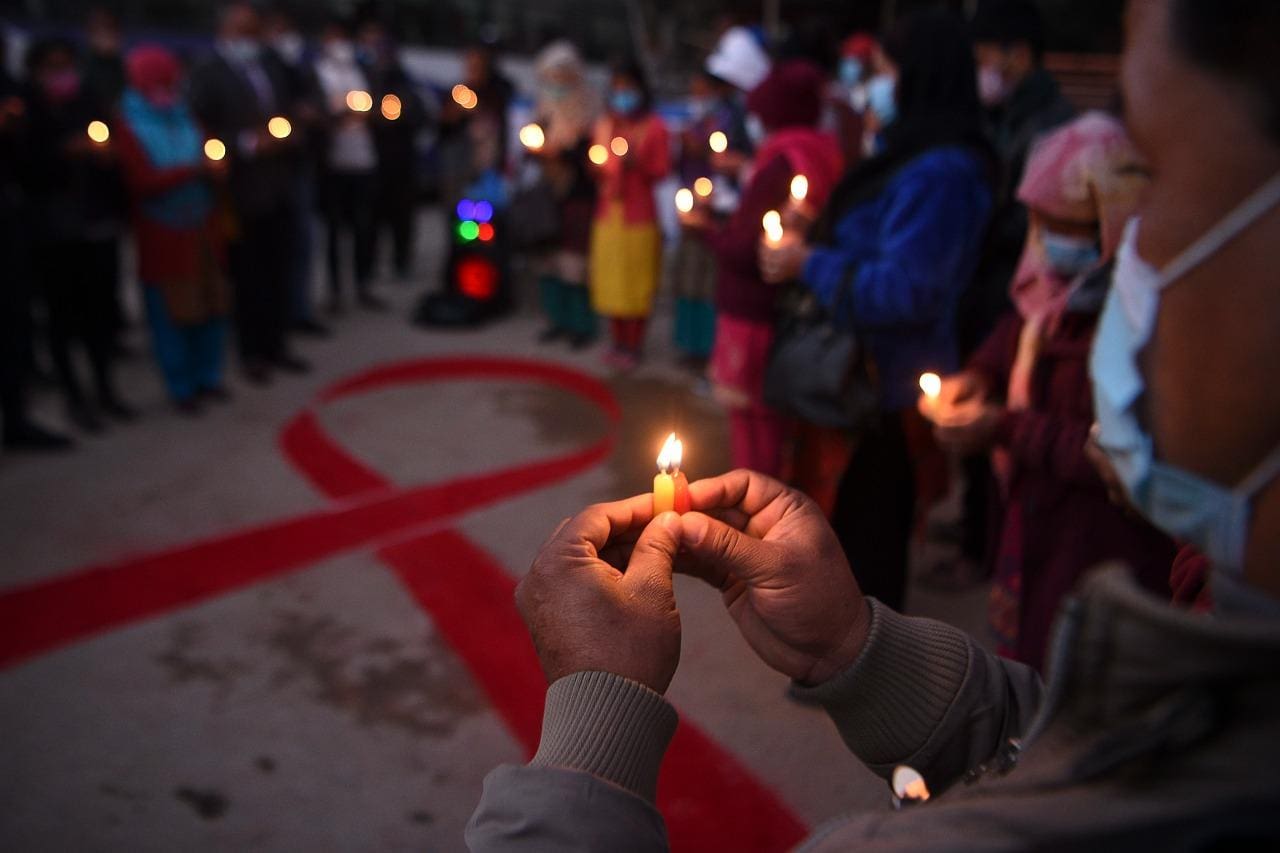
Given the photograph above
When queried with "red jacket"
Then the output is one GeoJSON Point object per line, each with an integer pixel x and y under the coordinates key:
{"type": "Point", "coordinates": [1065, 524]}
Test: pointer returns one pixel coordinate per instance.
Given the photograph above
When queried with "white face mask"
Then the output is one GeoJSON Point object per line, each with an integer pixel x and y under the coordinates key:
{"type": "Point", "coordinates": [1212, 517]}
{"type": "Point", "coordinates": [755, 130]}
{"type": "Point", "coordinates": [992, 89]}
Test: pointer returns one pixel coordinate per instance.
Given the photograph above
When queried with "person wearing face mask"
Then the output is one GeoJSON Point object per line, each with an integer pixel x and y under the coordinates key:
{"type": "Point", "coordinates": [626, 244]}
{"type": "Point", "coordinates": [348, 178]}
{"type": "Point", "coordinates": [1025, 394]}
{"type": "Point", "coordinates": [847, 105]}
{"type": "Point", "coordinates": [180, 250]}
{"type": "Point", "coordinates": [888, 257]}
{"type": "Point", "coordinates": [1157, 728]}
{"type": "Point", "coordinates": [234, 93]}
{"type": "Point", "coordinates": [72, 183]}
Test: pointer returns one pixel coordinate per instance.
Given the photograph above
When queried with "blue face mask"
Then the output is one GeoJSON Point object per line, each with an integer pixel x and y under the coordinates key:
{"type": "Point", "coordinates": [850, 73]}
{"type": "Point", "coordinates": [1069, 257]}
{"type": "Point", "coordinates": [881, 99]}
{"type": "Point", "coordinates": [1186, 506]}
{"type": "Point", "coordinates": [624, 101]}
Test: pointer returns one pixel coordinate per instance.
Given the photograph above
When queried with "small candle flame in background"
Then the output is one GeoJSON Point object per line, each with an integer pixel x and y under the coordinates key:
{"type": "Point", "coordinates": [359, 101]}
{"type": "Point", "coordinates": [279, 127]}
{"type": "Point", "coordinates": [465, 97]}
{"type": "Point", "coordinates": [532, 137]}
{"type": "Point", "coordinates": [772, 222]}
{"type": "Point", "coordinates": [619, 146]}
{"type": "Point", "coordinates": [98, 131]}
{"type": "Point", "coordinates": [671, 454]}
{"type": "Point", "coordinates": [391, 107]}
{"type": "Point", "coordinates": [931, 385]}
{"type": "Point", "coordinates": [598, 154]}
{"type": "Point", "coordinates": [703, 187]}
{"type": "Point", "coordinates": [719, 142]}
{"type": "Point", "coordinates": [684, 200]}
{"type": "Point", "coordinates": [799, 188]}
{"type": "Point", "coordinates": [215, 149]}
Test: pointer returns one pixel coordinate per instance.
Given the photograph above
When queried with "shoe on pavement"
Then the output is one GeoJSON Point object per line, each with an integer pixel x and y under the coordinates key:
{"type": "Point", "coordinates": [29, 435]}
{"type": "Point", "coordinates": [292, 364]}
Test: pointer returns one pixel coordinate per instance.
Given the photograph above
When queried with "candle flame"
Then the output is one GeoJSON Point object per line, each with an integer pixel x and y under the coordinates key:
{"type": "Point", "coordinates": [684, 200]}
{"type": "Point", "coordinates": [359, 101]}
{"type": "Point", "coordinates": [931, 385]}
{"type": "Point", "coordinates": [215, 149]}
{"type": "Point", "coordinates": [799, 187]}
{"type": "Point", "coordinates": [619, 146]}
{"type": "Point", "coordinates": [279, 127]}
{"type": "Point", "coordinates": [98, 131]}
{"type": "Point", "coordinates": [598, 154]}
{"type": "Point", "coordinates": [703, 187]}
{"type": "Point", "coordinates": [532, 137]}
{"type": "Point", "coordinates": [671, 455]}
{"type": "Point", "coordinates": [391, 107]}
{"type": "Point", "coordinates": [719, 142]}
{"type": "Point", "coordinates": [772, 222]}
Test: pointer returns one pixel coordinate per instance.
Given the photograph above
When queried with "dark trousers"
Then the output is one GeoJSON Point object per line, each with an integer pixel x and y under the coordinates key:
{"type": "Point", "coordinates": [259, 261]}
{"type": "Point", "coordinates": [875, 508]}
{"type": "Point", "coordinates": [78, 281]}
{"type": "Point", "coordinates": [15, 321]}
{"type": "Point", "coordinates": [349, 200]}
{"type": "Point", "coordinates": [396, 207]}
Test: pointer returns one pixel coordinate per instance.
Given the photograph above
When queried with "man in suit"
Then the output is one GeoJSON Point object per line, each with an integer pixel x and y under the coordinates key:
{"type": "Point", "coordinates": [234, 94]}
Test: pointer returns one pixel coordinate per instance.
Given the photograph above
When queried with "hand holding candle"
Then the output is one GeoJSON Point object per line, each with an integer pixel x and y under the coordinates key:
{"type": "Point", "coordinates": [670, 486]}
{"type": "Point", "coordinates": [773, 232]}
{"type": "Point", "coordinates": [931, 387]}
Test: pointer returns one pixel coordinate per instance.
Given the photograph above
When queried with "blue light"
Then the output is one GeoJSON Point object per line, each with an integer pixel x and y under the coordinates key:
{"type": "Point", "coordinates": [483, 211]}
{"type": "Point", "coordinates": [467, 209]}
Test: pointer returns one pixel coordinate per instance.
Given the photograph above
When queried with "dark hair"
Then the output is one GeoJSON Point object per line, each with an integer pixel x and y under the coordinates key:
{"type": "Point", "coordinates": [631, 69]}
{"type": "Point", "coordinates": [1010, 22]}
{"type": "Point", "coordinates": [1238, 39]}
{"type": "Point", "coordinates": [42, 50]}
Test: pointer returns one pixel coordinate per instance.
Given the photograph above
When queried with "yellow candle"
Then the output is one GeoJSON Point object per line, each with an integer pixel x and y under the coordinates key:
{"type": "Point", "coordinates": [670, 486]}
{"type": "Point", "coordinates": [773, 227]}
{"type": "Point", "coordinates": [98, 131]}
{"type": "Point", "coordinates": [931, 385]}
{"type": "Point", "coordinates": [719, 142]}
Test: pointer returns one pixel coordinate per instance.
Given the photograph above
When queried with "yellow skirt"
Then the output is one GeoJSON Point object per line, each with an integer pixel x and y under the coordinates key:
{"type": "Point", "coordinates": [626, 261]}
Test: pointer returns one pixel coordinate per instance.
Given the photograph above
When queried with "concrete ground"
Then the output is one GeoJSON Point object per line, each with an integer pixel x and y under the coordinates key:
{"type": "Point", "coordinates": [320, 710]}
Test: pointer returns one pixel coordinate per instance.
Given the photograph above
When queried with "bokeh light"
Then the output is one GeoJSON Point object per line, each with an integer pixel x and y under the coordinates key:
{"type": "Point", "coordinates": [279, 127]}
{"type": "Point", "coordinates": [98, 131]}
{"type": "Point", "coordinates": [214, 149]}
{"type": "Point", "coordinates": [390, 107]}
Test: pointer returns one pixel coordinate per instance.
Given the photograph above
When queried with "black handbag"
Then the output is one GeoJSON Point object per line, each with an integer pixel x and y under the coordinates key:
{"type": "Point", "coordinates": [817, 372]}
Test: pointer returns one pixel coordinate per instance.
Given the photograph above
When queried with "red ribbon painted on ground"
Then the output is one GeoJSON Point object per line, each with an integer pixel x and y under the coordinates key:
{"type": "Point", "coordinates": [710, 801]}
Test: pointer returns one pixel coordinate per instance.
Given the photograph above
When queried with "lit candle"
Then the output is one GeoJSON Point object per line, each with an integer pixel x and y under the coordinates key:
{"type": "Point", "coordinates": [719, 142]}
{"type": "Point", "coordinates": [670, 486]}
{"type": "Point", "coordinates": [773, 227]}
{"type": "Point", "coordinates": [98, 131]}
{"type": "Point", "coordinates": [391, 107]}
{"type": "Point", "coordinates": [279, 127]}
{"type": "Point", "coordinates": [598, 154]}
{"type": "Point", "coordinates": [931, 385]}
{"type": "Point", "coordinates": [684, 200]}
{"type": "Point", "coordinates": [465, 97]}
{"type": "Point", "coordinates": [799, 188]}
{"type": "Point", "coordinates": [359, 101]}
{"type": "Point", "coordinates": [533, 137]}
{"type": "Point", "coordinates": [703, 187]}
{"type": "Point", "coordinates": [215, 149]}
{"type": "Point", "coordinates": [619, 146]}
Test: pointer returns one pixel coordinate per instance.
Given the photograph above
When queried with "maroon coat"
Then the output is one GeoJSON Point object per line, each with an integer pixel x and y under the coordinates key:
{"type": "Point", "coordinates": [1063, 523]}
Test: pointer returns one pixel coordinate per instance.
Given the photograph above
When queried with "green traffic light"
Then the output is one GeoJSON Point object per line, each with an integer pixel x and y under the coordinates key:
{"type": "Point", "coordinates": [468, 230]}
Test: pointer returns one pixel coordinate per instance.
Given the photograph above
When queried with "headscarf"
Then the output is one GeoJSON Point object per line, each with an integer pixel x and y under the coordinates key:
{"type": "Point", "coordinates": [789, 103]}
{"type": "Point", "coordinates": [568, 118]}
{"type": "Point", "coordinates": [168, 135]}
{"type": "Point", "coordinates": [1085, 171]}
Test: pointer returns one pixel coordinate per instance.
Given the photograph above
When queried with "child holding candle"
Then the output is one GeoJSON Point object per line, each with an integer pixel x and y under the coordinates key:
{"type": "Point", "coordinates": [788, 104]}
{"type": "Point", "coordinates": [626, 245]}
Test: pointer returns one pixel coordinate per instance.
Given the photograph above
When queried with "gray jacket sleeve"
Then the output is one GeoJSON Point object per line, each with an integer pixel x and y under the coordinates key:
{"type": "Point", "coordinates": [923, 693]}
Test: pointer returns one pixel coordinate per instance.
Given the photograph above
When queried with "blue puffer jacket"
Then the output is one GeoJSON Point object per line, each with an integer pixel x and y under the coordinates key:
{"type": "Point", "coordinates": [904, 258]}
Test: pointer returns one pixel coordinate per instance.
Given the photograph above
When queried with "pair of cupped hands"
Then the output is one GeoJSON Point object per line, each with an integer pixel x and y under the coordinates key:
{"type": "Point", "coordinates": [599, 595]}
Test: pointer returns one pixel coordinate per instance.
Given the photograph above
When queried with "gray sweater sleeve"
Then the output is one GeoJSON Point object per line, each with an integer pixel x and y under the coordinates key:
{"type": "Point", "coordinates": [923, 693]}
{"type": "Point", "coordinates": [591, 784]}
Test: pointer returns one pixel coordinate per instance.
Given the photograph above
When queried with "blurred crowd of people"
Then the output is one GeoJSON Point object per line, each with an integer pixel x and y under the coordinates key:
{"type": "Point", "coordinates": [218, 169]}
{"type": "Point", "coordinates": [931, 191]}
